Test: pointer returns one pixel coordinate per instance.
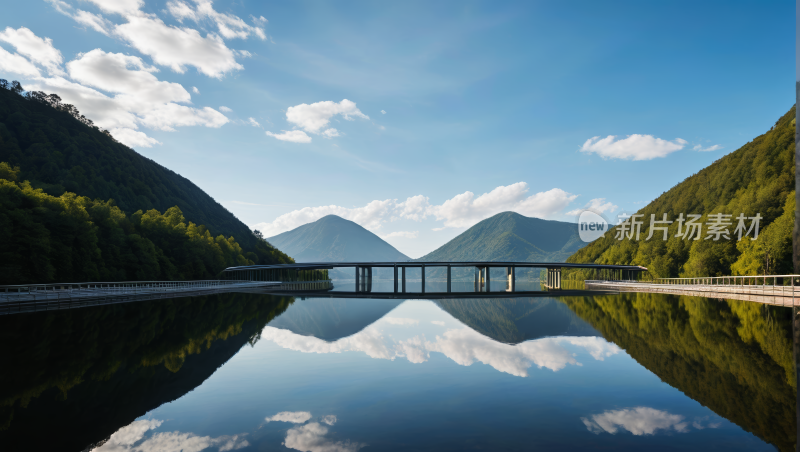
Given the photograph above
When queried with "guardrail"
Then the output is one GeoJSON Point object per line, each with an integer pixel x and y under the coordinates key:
{"type": "Point", "coordinates": [773, 289]}
{"type": "Point", "coordinates": [86, 290]}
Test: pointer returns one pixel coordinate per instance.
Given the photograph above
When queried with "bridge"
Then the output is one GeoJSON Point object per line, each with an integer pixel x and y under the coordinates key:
{"type": "Point", "coordinates": [313, 271]}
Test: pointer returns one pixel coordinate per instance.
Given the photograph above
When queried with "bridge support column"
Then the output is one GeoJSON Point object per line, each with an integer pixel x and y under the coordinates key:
{"type": "Point", "coordinates": [422, 272]}
{"type": "Point", "coordinates": [487, 278]}
{"type": "Point", "coordinates": [510, 276]}
{"type": "Point", "coordinates": [403, 268]}
{"type": "Point", "coordinates": [477, 277]}
{"type": "Point", "coordinates": [449, 279]}
{"type": "Point", "coordinates": [395, 279]}
{"type": "Point", "coordinates": [358, 282]}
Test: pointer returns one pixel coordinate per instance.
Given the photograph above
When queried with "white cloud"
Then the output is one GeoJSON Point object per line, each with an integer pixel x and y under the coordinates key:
{"type": "Point", "coordinates": [437, 322]}
{"type": "Point", "coordinates": [633, 147]}
{"type": "Point", "coordinates": [330, 133]}
{"type": "Point", "coordinates": [121, 7]}
{"type": "Point", "coordinates": [401, 321]}
{"type": "Point", "coordinates": [12, 63]}
{"type": "Point", "coordinates": [253, 122]}
{"type": "Point", "coordinates": [414, 208]}
{"type": "Point", "coordinates": [176, 47]}
{"type": "Point", "coordinates": [125, 439]}
{"type": "Point", "coordinates": [311, 438]}
{"type": "Point", "coordinates": [295, 417]}
{"type": "Point", "coordinates": [195, 90]}
{"type": "Point", "coordinates": [133, 138]}
{"type": "Point", "coordinates": [294, 136]}
{"type": "Point", "coordinates": [700, 148]}
{"type": "Point", "coordinates": [598, 205]}
{"type": "Point", "coordinates": [370, 216]}
{"type": "Point", "coordinates": [94, 21]}
{"type": "Point", "coordinates": [228, 25]}
{"type": "Point", "coordinates": [312, 118]}
{"type": "Point", "coordinates": [639, 421]}
{"type": "Point", "coordinates": [404, 234]}
{"type": "Point", "coordinates": [462, 210]}
{"type": "Point", "coordinates": [465, 210]}
{"type": "Point", "coordinates": [36, 49]}
{"type": "Point", "coordinates": [139, 97]}
{"type": "Point", "coordinates": [225, 109]}
{"type": "Point", "coordinates": [383, 112]}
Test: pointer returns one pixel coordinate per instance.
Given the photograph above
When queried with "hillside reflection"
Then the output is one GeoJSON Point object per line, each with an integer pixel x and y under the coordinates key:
{"type": "Point", "coordinates": [79, 375]}
{"type": "Point", "coordinates": [735, 357]}
{"type": "Point", "coordinates": [87, 376]}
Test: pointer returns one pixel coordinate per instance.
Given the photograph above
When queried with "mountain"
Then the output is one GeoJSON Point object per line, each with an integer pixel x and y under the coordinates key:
{"type": "Point", "coordinates": [509, 236]}
{"type": "Point", "coordinates": [334, 239]}
{"type": "Point", "coordinates": [758, 178]}
{"type": "Point", "coordinates": [59, 151]}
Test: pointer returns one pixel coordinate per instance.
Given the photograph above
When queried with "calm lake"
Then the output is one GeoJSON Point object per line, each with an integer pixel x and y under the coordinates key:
{"type": "Point", "coordinates": [254, 372]}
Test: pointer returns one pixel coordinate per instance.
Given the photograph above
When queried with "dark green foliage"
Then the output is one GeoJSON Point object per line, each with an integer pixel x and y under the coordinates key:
{"type": "Point", "coordinates": [334, 239]}
{"type": "Point", "coordinates": [71, 238]}
{"type": "Point", "coordinates": [81, 374]}
{"type": "Point", "coordinates": [59, 150]}
{"type": "Point", "coordinates": [757, 178]}
{"type": "Point", "coordinates": [734, 357]}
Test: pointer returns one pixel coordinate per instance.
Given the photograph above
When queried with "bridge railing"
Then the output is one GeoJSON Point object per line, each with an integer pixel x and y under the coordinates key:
{"type": "Point", "coordinates": [93, 289]}
{"type": "Point", "coordinates": [760, 280]}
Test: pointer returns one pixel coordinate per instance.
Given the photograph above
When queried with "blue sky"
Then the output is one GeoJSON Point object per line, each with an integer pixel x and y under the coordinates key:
{"type": "Point", "coordinates": [454, 111]}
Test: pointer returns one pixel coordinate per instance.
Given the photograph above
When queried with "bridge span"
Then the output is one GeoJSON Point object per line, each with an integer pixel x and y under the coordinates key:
{"type": "Point", "coordinates": [311, 271]}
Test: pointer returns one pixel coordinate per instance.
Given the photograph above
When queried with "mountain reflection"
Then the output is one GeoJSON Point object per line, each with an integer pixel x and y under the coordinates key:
{"type": "Point", "coordinates": [399, 335]}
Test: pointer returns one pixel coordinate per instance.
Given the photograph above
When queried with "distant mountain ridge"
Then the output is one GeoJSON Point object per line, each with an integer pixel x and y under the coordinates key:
{"type": "Point", "coordinates": [509, 236]}
{"type": "Point", "coordinates": [334, 239]}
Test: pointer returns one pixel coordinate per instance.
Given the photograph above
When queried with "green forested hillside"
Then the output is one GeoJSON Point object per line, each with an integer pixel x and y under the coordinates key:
{"type": "Point", "coordinates": [510, 237]}
{"type": "Point", "coordinates": [60, 151]}
{"type": "Point", "coordinates": [758, 178]}
{"type": "Point", "coordinates": [72, 238]}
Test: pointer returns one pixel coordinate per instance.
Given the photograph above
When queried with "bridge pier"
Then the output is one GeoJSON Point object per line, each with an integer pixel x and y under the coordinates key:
{"type": "Point", "coordinates": [363, 279]}
{"type": "Point", "coordinates": [422, 272]}
{"type": "Point", "coordinates": [510, 276]}
{"type": "Point", "coordinates": [553, 278]}
{"type": "Point", "coordinates": [449, 279]}
{"type": "Point", "coordinates": [403, 268]}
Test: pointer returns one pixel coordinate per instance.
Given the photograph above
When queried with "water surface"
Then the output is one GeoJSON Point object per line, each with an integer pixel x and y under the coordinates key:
{"type": "Point", "coordinates": [249, 372]}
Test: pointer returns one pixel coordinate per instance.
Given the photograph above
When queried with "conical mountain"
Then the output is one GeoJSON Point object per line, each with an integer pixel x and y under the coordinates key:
{"type": "Point", "coordinates": [509, 236]}
{"type": "Point", "coordinates": [334, 239]}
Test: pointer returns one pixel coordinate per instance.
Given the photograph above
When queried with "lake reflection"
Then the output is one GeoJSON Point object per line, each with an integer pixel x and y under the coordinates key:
{"type": "Point", "coordinates": [626, 372]}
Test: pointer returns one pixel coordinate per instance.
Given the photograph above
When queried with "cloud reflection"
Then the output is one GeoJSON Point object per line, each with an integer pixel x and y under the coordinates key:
{"type": "Point", "coordinates": [126, 439]}
{"type": "Point", "coordinates": [296, 417]}
{"type": "Point", "coordinates": [639, 421]}
{"type": "Point", "coordinates": [463, 345]}
{"type": "Point", "coordinates": [311, 438]}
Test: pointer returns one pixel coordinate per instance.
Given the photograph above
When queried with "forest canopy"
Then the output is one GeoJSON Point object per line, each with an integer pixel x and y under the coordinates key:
{"type": "Point", "coordinates": [71, 238]}
{"type": "Point", "coordinates": [59, 150]}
